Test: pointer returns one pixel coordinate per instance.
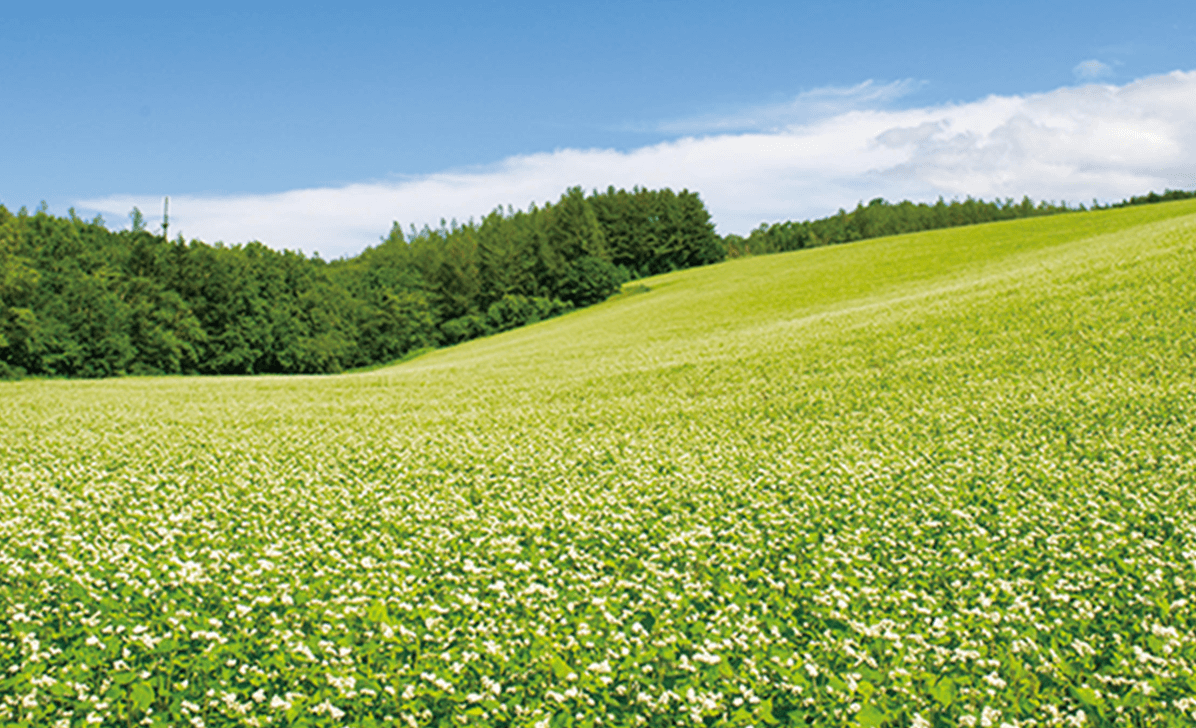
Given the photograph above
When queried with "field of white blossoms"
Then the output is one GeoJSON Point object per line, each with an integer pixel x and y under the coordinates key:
{"type": "Point", "coordinates": [944, 479]}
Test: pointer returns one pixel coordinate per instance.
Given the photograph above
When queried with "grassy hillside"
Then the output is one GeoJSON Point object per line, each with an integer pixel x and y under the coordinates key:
{"type": "Point", "coordinates": [937, 479]}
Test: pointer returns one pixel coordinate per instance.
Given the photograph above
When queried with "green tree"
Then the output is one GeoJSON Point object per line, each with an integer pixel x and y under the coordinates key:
{"type": "Point", "coordinates": [572, 228]}
{"type": "Point", "coordinates": [137, 219]}
{"type": "Point", "coordinates": [18, 323]}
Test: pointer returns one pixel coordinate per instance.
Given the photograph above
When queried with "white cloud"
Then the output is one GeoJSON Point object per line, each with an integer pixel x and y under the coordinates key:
{"type": "Point", "coordinates": [1092, 69]}
{"type": "Point", "coordinates": [1078, 143]}
{"type": "Point", "coordinates": [816, 104]}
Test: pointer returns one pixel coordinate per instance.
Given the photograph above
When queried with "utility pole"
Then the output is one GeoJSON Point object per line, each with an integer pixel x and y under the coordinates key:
{"type": "Point", "coordinates": [166, 218]}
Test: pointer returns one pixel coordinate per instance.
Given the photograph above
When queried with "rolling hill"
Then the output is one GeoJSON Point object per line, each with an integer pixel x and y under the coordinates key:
{"type": "Point", "coordinates": [934, 479]}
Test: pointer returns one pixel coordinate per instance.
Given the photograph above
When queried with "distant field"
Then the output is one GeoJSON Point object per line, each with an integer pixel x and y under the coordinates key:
{"type": "Point", "coordinates": [942, 479]}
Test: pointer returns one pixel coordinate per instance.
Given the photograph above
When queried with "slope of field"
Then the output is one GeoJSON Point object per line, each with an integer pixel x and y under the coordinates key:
{"type": "Point", "coordinates": [938, 479]}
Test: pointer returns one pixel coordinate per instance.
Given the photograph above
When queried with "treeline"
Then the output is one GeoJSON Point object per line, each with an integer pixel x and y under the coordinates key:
{"type": "Point", "coordinates": [880, 217]}
{"type": "Point", "coordinates": [517, 267]}
{"type": "Point", "coordinates": [79, 300]}
{"type": "Point", "coordinates": [1151, 198]}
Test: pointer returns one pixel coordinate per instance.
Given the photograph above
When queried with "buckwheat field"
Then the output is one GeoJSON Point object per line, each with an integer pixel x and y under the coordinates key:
{"type": "Point", "coordinates": [943, 479]}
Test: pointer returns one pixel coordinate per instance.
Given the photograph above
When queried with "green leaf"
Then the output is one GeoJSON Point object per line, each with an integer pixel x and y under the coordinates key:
{"type": "Point", "coordinates": [560, 668]}
{"type": "Point", "coordinates": [764, 712]}
{"type": "Point", "coordinates": [377, 612]}
{"type": "Point", "coordinates": [944, 692]}
{"type": "Point", "coordinates": [142, 696]}
{"type": "Point", "coordinates": [871, 716]}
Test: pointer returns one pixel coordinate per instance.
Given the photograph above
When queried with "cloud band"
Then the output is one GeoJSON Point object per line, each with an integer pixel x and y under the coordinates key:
{"type": "Point", "coordinates": [1075, 143]}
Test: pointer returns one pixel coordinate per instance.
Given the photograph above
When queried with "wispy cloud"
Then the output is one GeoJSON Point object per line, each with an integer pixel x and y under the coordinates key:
{"type": "Point", "coordinates": [804, 108]}
{"type": "Point", "coordinates": [1092, 70]}
{"type": "Point", "coordinates": [1074, 143]}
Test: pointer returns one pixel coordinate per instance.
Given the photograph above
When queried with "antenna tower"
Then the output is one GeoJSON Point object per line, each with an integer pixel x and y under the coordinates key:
{"type": "Point", "coordinates": [166, 218]}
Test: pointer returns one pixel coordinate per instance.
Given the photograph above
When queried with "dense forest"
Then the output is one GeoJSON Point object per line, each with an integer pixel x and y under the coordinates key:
{"type": "Point", "coordinates": [80, 300]}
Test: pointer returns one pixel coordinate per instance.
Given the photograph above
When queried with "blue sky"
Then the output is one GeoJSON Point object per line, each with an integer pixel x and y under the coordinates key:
{"type": "Point", "coordinates": [244, 115]}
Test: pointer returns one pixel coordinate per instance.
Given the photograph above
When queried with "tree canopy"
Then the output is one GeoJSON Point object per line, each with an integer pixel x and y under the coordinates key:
{"type": "Point", "coordinates": [80, 300]}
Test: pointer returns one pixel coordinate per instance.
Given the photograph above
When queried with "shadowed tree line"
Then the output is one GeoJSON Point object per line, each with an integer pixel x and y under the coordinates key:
{"type": "Point", "coordinates": [79, 300]}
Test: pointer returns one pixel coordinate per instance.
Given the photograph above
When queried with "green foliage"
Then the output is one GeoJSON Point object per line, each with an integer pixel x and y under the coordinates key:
{"type": "Point", "coordinates": [513, 311]}
{"type": "Point", "coordinates": [650, 232]}
{"type": "Point", "coordinates": [396, 322]}
{"type": "Point", "coordinates": [572, 230]}
{"type": "Point", "coordinates": [588, 280]}
{"type": "Point", "coordinates": [880, 218]}
{"type": "Point", "coordinates": [517, 267]}
{"type": "Point", "coordinates": [78, 300]}
{"type": "Point", "coordinates": [1150, 198]}
{"type": "Point", "coordinates": [17, 282]}
{"type": "Point", "coordinates": [137, 220]}
{"type": "Point", "coordinates": [464, 328]}
{"type": "Point", "coordinates": [939, 479]}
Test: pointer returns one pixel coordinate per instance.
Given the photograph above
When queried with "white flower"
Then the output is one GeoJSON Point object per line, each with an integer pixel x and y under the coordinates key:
{"type": "Point", "coordinates": [329, 709]}
{"type": "Point", "coordinates": [989, 717]}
